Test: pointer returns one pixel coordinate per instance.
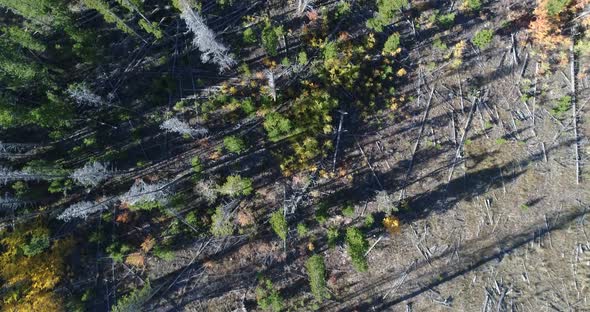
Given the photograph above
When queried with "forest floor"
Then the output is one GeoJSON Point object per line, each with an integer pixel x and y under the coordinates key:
{"type": "Point", "coordinates": [500, 226]}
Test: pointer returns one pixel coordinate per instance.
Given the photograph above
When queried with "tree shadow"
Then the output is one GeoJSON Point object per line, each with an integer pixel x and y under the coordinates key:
{"type": "Point", "coordinates": [473, 256]}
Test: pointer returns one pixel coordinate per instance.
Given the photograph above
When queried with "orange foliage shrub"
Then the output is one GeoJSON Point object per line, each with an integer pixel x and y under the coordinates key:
{"type": "Point", "coordinates": [547, 31]}
{"type": "Point", "coordinates": [136, 259]}
{"type": "Point", "coordinates": [245, 218]}
{"type": "Point", "coordinates": [123, 217]}
{"type": "Point", "coordinates": [148, 243]}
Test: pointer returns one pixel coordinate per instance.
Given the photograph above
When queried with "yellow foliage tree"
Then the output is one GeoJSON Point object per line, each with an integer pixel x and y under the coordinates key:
{"type": "Point", "coordinates": [31, 279]}
{"type": "Point", "coordinates": [458, 54]}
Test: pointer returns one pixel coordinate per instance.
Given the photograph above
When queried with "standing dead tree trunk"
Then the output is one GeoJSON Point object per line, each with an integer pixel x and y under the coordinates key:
{"type": "Point", "coordinates": [574, 110]}
{"type": "Point", "coordinates": [535, 97]}
{"type": "Point", "coordinates": [16, 150]}
{"type": "Point", "coordinates": [301, 6]}
{"type": "Point", "coordinates": [272, 89]}
{"type": "Point", "coordinates": [338, 139]}
{"type": "Point", "coordinates": [368, 163]}
{"type": "Point", "coordinates": [462, 141]}
{"type": "Point", "coordinates": [417, 144]}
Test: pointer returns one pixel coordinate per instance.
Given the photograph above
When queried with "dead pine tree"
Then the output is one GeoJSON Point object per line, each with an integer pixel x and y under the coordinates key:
{"type": "Point", "coordinates": [92, 174]}
{"type": "Point", "coordinates": [574, 99]}
{"type": "Point", "coordinates": [462, 141]}
{"type": "Point", "coordinates": [16, 150]}
{"type": "Point", "coordinates": [272, 89]}
{"type": "Point", "coordinates": [8, 175]}
{"type": "Point", "coordinates": [176, 125]}
{"type": "Point", "coordinates": [301, 6]}
{"type": "Point", "coordinates": [83, 210]}
{"type": "Point", "coordinates": [534, 104]}
{"type": "Point", "coordinates": [342, 113]}
{"type": "Point", "coordinates": [417, 144]}
{"type": "Point", "coordinates": [369, 164]}
{"type": "Point", "coordinates": [204, 38]}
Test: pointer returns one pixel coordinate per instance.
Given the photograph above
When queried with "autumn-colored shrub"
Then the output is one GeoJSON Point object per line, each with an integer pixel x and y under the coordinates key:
{"type": "Point", "coordinates": [546, 30]}
{"type": "Point", "coordinates": [135, 259]}
{"type": "Point", "coordinates": [458, 50]}
{"type": "Point", "coordinates": [31, 268]}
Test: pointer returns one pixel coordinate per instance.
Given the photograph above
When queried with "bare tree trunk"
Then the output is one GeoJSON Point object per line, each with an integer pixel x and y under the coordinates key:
{"type": "Point", "coordinates": [535, 95]}
{"type": "Point", "coordinates": [462, 141]}
{"type": "Point", "coordinates": [338, 139]}
{"type": "Point", "coordinates": [417, 144]}
{"type": "Point", "coordinates": [574, 110]}
{"type": "Point", "coordinates": [301, 5]}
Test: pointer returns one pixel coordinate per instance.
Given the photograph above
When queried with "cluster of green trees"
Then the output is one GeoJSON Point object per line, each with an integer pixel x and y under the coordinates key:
{"type": "Point", "coordinates": [39, 43]}
{"type": "Point", "coordinates": [387, 11]}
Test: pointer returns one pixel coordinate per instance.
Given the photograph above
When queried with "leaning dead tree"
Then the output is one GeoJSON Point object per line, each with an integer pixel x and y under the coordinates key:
{"type": "Point", "coordinates": [342, 113]}
{"type": "Point", "coordinates": [204, 38]}
{"type": "Point", "coordinates": [458, 152]}
{"type": "Point", "coordinates": [92, 174]}
{"type": "Point", "coordinates": [141, 192]}
{"type": "Point", "coordinates": [574, 108]}
{"type": "Point", "coordinates": [416, 145]}
{"type": "Point", "coordinates": [82, 210]}
{"type": "Point", "coordinates": [15, 150]}
{"type": "Point", "coordinates": [9, 202]}
{"type": "Point", "coordinates": [176, 125]}
{"type": "Point", "coordinates": [8, 175]}
{"type": "Point", "coordinates": [301, 6]}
